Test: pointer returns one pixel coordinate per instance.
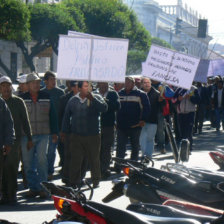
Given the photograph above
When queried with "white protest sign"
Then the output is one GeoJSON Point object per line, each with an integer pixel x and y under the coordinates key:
{"type": "Point", "coordinates": [75, 33]}
{"type": "Point", "coordinates": [104, 60]}
{"type": "Point", "coordinates": [165, 65]}
{"type": "Point", "coordinates": [202, 71]}
{"type": "Point", "coordinates": [109, 60]}
{"type": "Point", "coordinates": [73, 58]}
{"type": "Point", "coordinates": [216, 67]}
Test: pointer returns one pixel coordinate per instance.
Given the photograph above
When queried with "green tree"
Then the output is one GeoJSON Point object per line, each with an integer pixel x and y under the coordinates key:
{"type": "Point", "coordinates": [14, 23]}
{"type": "Point", "coordinates": [159, 42]}
{"type": "Point", "coordinates": [47, 22]}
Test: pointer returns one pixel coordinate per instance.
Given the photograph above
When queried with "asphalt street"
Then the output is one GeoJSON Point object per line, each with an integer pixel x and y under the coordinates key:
{"type": "Point", "coordinates": [37, 211]}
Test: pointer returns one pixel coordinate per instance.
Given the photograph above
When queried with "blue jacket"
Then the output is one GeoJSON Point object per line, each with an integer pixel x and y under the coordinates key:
{"type": "Point", "coordinates": [135, 107]}
{"type": "Point", "coordinates": [7, 133]}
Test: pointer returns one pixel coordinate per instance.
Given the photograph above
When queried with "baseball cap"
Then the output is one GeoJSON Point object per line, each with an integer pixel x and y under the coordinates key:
{"type": "Point", "coordinates": [130, 78]}
{"type": "Point", "coordinates": [32, 77]}
{"type": "Point", "coordinates": [5, 79]}
{"type": "Point", "coordinates": [22, 78]}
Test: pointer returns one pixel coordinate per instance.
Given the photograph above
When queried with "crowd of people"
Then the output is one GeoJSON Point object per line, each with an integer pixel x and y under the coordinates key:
{"type": "Point", "coordinates": [83, 120]}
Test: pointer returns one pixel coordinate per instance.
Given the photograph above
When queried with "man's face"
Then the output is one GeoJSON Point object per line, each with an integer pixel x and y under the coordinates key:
{"type": "Point", "coordinates": [34, 86]}
{"type": "Point", "coordinates": [129, 85]}
{"type": "Point", "coordinates": [6, 89]}
{"type": "Point", "coordinates": [103, 87]}
{"type": "Point", "coordinates": [23, 87]}
{"type": "Point", "coordinates": [84, 89]}
{"type": "Point", "coordinates": [146, 85]}
{"type": "Point", "coordinates": [51, 82]}
{"type": "Point", "coordinates": [75, 89]}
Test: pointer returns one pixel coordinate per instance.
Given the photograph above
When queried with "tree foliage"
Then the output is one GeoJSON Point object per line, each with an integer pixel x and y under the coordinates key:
{"type": "Point", "coordinates": [14, 22]}
{"type": "Point", "coordinates": [112, 18]}
{"type": "Point", "coordinates": [159, 42]}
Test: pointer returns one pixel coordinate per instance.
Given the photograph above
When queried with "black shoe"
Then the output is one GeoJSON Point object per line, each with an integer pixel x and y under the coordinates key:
{"type": "Point", "coordinates": [96, 185]}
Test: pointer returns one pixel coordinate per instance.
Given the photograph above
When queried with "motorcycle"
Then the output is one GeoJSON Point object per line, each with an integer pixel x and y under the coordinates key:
{"type": "Point", "coordinates": [72, 205]}
{"type": "Point", "coordinates": [218, 158]}
{"type": "Point", "coordinates": [151, 185]}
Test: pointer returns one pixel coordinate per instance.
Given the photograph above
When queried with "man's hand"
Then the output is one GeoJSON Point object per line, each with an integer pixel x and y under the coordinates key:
{"type": "Point", "coordinates": [180, 98]}
{"type": "Point", "coordinates": [90, 96]}
{"type": "Point", "coordinates": [161, 98]}
{"type": "Point", "coordinates": [54, 138]}
{"type": "Point", "coordinates": [62, 136]}
{"type": "Point", "coordinates": [6, 150]}
{"type": "Point", "coordinates": [29, 145]}
{"type": "Point", "coordinates": [141, 123]}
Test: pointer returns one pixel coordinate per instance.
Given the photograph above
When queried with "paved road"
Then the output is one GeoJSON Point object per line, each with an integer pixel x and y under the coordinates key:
{"type": "Point", "coordinates": [37, 211]}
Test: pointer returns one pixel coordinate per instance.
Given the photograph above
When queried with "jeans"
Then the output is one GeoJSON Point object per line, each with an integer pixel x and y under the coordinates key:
{"type": "Point", "coordinates": [219, 112]}
{"type": "Point", "coordinates": [122, 139]}
{"type": "Point", "coordinates": [147, 138]}
{"type": "Point", "coordinates": [51, 154]}
{"type": "Point", "coordinates": [35, 161]}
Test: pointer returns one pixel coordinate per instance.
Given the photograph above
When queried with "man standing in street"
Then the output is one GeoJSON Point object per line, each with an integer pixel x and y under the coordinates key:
{"type": "Point", "coordinates": [82, 120]}
{"type": "Point", "coordinates": [6, 137]}
{"type": "Point", "coordinates": [131, 117]}
{"type": "Point", "coordinates": [107, 126]}
{"type": "Point", "coordinates": [55, 94]}
{"type": "Point", "coordinates": [21, 123]}
{"type": "Point", "coordinates": [148, 132]}
{"type": "Point", "coordinates": [42, 116]}
{"type": "Point", "coordinates": [65, 143]}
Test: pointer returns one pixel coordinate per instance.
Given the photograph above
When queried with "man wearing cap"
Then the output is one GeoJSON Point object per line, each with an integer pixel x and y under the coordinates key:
{"type": "Point", "coordinates": [6, 137]}
{"type": "Point", "coordinates": [20, 117]}
{"type": "Point", "coordinates": [22, 85]}
{"type": "Point", "coordinates": [55, 94]}
{"type": "Point", "coordinates": [42, 116]}
{"type": "Point", "coordinates": [131, 117]}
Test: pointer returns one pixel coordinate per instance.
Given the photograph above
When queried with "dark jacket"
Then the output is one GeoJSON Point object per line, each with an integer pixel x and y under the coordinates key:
{"type": "Point", "coordinates": [81, 118]}
{"type": "Point", "coordinates": [7, 133]}
{"type": "Point", "coordinates": [153, 96]}
{"type": "Point", "coordinates": [113, 102]}
{"type": "Point", "coordinates": [204, 95]}
{"type": "Point", "coordinates": [42, 114]}
{"type": "Point", "coordinates": [215, 99]}
{"type": "Point", "coordinates": [62, 105]}
{"type": "Point", "coordinates": [135, 107]}
{"type": "Point", "coordinates": [20, 117]}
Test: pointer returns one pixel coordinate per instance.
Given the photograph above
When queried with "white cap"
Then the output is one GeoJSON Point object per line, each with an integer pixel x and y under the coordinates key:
{"type": "Point", "coordinates": [5, 79]}
{"type": "Point", "coordinates": [22, 78]}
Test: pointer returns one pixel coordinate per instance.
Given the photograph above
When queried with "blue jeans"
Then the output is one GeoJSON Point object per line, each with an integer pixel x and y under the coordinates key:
{"type": "Point", "coordinates": [219, 112]}
{"type": "Point", "coordinates": [35, 161]}
{"type": "Point", "coordinates": [51, 154]}
{"type": "Point", "coordinates": [147, 138]}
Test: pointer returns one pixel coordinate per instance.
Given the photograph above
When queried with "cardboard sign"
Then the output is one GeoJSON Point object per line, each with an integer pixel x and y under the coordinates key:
{"type": "Point", "coordinates": [202, 71]}
{"type": "Point", "coordinates": [88, 57]}
{"type": "Point", "coordinates": [170, 67]}
{"type": "Point", "coordinates": [216, 67]}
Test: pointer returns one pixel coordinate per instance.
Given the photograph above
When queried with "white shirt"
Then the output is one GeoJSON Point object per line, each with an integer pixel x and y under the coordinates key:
{"type": "Point", "coordinates": [81, 100]}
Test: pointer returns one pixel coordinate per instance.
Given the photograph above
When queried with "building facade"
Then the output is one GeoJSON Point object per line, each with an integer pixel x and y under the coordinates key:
{"type": "Point", "coordinates": [161, 20]}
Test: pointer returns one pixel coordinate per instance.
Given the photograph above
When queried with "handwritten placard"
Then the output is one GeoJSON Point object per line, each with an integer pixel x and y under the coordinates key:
{"type": "Point", "coordinates": [104, 60]}
{"type": "Point", "coordinates": [165, 65]}
{"type": "Point", "coordinates": [73, 58]}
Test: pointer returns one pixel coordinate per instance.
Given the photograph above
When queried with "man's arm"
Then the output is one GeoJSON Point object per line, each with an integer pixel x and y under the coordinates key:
{"type": "Point", "coordinates": [98, 103]}
{"type": "Point", "coordinates": [9, 132]}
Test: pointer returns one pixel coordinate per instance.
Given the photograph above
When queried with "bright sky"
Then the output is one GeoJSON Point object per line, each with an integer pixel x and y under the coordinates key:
{"type": "Point", "coordinates": [209, 9]}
